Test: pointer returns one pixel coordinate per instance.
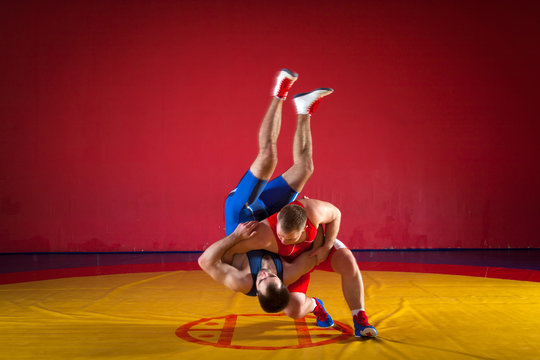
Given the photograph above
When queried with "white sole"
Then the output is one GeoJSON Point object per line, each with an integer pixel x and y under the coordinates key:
{"type": "Point", "coordinates": [368, 333]}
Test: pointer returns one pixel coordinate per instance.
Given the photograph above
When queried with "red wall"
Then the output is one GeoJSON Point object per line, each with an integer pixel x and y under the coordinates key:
{"type": "Point", "coordinates": [125, 124]}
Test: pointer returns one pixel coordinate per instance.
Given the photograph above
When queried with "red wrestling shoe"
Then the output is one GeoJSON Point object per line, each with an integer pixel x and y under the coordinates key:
{"type": "Point", "coordinates": [307, 102]}
{"type": "Point", "coordinates": [362, 328]}
{"type": "Point", "coordinates": [323, 318]}
{"type": "Point", "coordinates": [285, 80]}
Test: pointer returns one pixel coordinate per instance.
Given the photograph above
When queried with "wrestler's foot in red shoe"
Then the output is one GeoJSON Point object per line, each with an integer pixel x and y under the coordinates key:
{"type": "Point", "coordinates": [323, 318]}
{"type": "Point", "coordinates": [306, 103]}
{"type": "Point", "coordinates": [285, 80]}
{"type": "Point", "coordinates": [362, 328]}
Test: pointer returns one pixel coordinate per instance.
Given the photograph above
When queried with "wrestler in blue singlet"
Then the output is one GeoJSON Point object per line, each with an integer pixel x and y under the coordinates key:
{"type": "Point", "coordinates": [255, 199]}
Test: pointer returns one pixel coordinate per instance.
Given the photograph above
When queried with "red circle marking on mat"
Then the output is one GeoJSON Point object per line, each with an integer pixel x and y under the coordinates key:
{"type": "Point", "coordinates": [225, 334]}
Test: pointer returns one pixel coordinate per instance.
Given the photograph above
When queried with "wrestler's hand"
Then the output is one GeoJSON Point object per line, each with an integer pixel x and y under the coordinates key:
{"type": "Point", "coordinates": [246, 230]}
{"type": "Point", "coordinates": [321, 254]}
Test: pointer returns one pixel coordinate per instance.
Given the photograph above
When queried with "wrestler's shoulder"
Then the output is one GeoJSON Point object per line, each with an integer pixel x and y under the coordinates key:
{"type": "Point", "coordinates": [307, 202]}
{"type": "Point", "coordinates": [264, 225]}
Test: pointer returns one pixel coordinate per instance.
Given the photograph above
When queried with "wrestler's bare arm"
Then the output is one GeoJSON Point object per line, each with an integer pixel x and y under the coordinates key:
{"type": "Point", "coordinates": [323, 213]}
{"type": "Point", "coordinates": [211, 260]}
{"type": "Point", "coordinates": [303, 263]}
{"type": "Point", "coordinates": [262, 239]}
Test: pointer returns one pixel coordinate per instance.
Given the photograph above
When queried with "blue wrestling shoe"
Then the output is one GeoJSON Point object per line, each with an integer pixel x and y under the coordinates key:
{"type": "Point", "coordinates": [362, 328]}
{"type": "Point", "coordinates": [323, 319]}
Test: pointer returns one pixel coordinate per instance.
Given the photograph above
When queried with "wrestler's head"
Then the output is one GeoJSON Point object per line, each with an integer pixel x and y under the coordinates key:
{"type": "Point", "coordinates": [272, 293]}
{"type": "Point", "coordinates": [291, 223]}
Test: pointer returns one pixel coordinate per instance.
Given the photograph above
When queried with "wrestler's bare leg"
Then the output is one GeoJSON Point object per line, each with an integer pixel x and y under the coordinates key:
{"type": "Point", "coordinates": [266, 160]}
{"type": "Point", "coordinates": [298, 174]}
{"type": "Point", "coordinates": [299, 305]}
{"type": "Point", "coordinates": [344, 263]}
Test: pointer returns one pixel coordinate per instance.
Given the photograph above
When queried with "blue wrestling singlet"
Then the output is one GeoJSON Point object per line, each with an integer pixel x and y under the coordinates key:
{"type": "Point", "coordinates": [255, 199]}
{"type": "Point", "coordinates": [255, 263]}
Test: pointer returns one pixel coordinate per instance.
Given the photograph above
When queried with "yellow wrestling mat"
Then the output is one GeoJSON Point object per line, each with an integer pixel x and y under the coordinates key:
{"type": "Point", "coordinates": [186, 315]}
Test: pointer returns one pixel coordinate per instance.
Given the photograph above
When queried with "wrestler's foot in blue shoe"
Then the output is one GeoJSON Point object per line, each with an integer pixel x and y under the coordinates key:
{"type": "Point", "coordinates": [362, 328]}
{"type": "Point", "coordinates": [323, 318]}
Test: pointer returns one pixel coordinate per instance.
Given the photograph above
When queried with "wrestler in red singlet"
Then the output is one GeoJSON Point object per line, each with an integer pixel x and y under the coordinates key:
{"type": "Point", "coordinates": [290, 252]}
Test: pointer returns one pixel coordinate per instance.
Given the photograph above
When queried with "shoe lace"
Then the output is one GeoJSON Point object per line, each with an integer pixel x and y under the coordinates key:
{"type": "Point", "coordinates": [314, 105]}
{"type": "Point", "coordinates": [284, 87]}
{"type": "Point", "coordinates": [361, 319]}
{"type": "Point", "coordinates": [320, 313]}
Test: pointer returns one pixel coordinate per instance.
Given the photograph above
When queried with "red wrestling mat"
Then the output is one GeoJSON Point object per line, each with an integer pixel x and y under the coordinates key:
{"type": "Point", "coordinates": [478, 271]}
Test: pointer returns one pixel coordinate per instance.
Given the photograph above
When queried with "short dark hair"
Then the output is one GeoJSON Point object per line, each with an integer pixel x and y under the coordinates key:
{"type": "Point", "coordinates": [276, 298]}
{"type": "Point", "coordinates": [292, 218]}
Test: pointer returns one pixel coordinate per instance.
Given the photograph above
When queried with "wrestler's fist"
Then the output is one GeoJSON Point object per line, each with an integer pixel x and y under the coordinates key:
{"type": "Point", "coordinates": [246, 230]}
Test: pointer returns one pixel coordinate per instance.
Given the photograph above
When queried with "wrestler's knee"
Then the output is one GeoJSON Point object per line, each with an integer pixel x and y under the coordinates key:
{"type": "Point", "coordinates": [265, 163]}
{"type": "Point", "coordinates": [293, 312]}
{"type": "Point", "coordinates": [344, 262]}
{"type": "Point", "coordinates": [309, 168]}
{"type": "Point", "coordinates": [268, 153]}
{"type": "Point", "coordinates": [295, 308]}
